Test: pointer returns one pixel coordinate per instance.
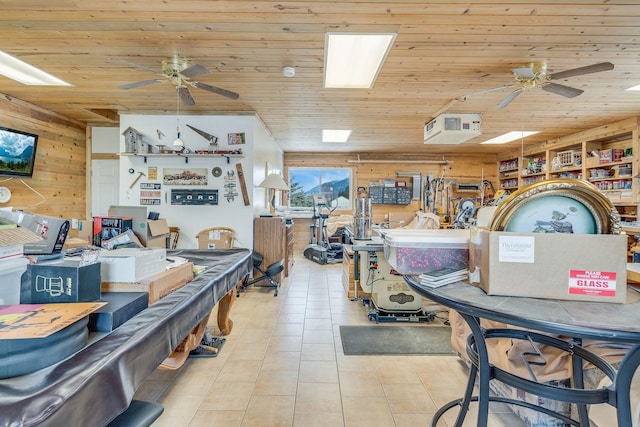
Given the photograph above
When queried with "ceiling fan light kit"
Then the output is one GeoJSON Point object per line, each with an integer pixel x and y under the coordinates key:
{"type": "Point", "coordinates": [535, 75]}
{"type": "Point", "coordinates": [179, 73]}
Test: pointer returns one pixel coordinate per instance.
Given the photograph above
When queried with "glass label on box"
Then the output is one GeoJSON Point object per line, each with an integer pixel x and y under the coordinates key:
{"type": "Point", "coordinates": [516, 249]}
{"type": "Point", "coordinates": [586, 282]}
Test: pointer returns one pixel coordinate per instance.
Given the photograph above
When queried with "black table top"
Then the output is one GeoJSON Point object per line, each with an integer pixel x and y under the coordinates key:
{"type": "Point", "coordinates": [97, 383]}
{"type": "Point", "coordinates": [577, 319]}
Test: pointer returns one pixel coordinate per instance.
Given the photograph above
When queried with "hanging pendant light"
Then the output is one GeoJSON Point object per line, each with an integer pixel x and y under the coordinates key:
{"type": "Point", "coordinates": [178, 142]}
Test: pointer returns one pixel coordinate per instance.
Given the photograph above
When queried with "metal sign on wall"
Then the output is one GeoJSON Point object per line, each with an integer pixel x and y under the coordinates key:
{"type": "Point", "coordinates": [194, 197]}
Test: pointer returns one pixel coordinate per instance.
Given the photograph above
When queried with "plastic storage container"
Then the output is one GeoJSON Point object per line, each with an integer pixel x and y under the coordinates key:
{"type": "Point", "coordinates": [11, 271]}
{"type": "Point", "coordinates": [422, 251]}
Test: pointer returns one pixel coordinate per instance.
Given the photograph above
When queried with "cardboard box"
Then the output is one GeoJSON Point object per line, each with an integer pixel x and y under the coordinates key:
{"type": "Point", "coordinates": [158, 285]}
{"type": "Point", "coordinates": [215, 239]}
{"type": "Point", "coordinates": [131, 264]}
{"type": "Point", "coordinates": [11, 271]}
{"type": "Point", "coordinates": [121, 306]}
{"type": "Point", "coordinates": [156, 233]}
{"type": "Point", "coordinates": [151, 233]}
{"type": "Point", "coordinates": [52, 232]}
{"type": "Point", "coordinates": [593, 161]}
{"type": "Point", "coordinates": [60, 281]}
{"type": "Point", "coordinates": [108, 227]}
{"type": "Point", "coordinates": [75, 242]}
{"type": "Point", "coordinates": [581, 267]}
{"type": "Point", "coordinates": [128, 239]}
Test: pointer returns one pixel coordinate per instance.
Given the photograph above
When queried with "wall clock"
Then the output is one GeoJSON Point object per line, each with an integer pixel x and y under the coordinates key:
{"type": "Point", "coordinates": [5, 194]}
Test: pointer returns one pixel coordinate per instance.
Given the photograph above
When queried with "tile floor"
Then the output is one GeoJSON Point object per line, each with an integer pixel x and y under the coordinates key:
{"type": "Point", "coordinates": [283, 365]}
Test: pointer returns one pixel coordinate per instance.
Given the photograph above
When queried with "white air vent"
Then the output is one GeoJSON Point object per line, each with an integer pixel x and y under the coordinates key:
{"type": "Point", "coordinates": [452, 128]}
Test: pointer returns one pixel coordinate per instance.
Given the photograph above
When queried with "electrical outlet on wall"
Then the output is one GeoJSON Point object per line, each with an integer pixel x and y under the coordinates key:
{"type": "Point", "coordinates": [74, 223]}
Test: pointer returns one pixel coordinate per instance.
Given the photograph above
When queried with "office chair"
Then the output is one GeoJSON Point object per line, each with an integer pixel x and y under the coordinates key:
{"type": "Point", "coordinates": [271, 270]}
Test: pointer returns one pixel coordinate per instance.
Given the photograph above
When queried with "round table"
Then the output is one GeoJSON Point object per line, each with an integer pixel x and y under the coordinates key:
{"type": "Point", "coordinates": [541, 321]}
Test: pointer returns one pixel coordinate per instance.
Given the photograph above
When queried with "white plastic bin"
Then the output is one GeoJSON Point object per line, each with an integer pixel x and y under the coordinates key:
{"type": "Point", "coordinates": [422, 251]}
{"type": "Point", "coordinates": [11, 271]}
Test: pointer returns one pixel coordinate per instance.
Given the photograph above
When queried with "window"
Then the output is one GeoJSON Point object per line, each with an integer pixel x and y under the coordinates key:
{"type": "Point", "coordinates": [333, 184]}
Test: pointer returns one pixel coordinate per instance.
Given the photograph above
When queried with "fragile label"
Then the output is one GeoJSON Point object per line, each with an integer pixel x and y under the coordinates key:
{"type": "Point", "coordinates": [516, 249]}
{"type": "Point", "coordinates": [586, 282]}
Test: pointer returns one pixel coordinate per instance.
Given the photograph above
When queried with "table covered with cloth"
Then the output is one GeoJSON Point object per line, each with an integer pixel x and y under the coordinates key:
{"type": "Point", "coordinates": [94, 385]}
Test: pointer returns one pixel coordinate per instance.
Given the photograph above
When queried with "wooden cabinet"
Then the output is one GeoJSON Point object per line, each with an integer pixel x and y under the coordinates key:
{"type": "Point", "coordinates": [348, 274]}
{"type": "Point", "coordinates": [269, 239]}
{"type": "Point", "coordinates": [288, 248]}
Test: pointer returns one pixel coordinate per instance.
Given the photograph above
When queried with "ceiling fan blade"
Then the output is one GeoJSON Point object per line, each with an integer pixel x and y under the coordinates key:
{"type": "Point", "coordinates": [481, 92]}
{"type": "Point", "coordinates": [185, 96]}
{"type": "Point", "coordinates": [133, 64]}
{"type": "Point", "coordinates": [513, 95]}
{"type": "Point", "coordinates": [195, 71]}
{"type": "Point", "coordinates": [217, 90]}
{"type": "Point", "coordinates": [566, 91]}
{"type": "Point", "coordinates": [139, 84]}
{"type": "Point", "coordinates": [589, 69]}
{"type": "Point", "coordinates": [524, 72]}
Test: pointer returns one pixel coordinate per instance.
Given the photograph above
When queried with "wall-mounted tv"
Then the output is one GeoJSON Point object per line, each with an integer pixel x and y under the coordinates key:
{"type": "Point", "coordinates": [17, 152]}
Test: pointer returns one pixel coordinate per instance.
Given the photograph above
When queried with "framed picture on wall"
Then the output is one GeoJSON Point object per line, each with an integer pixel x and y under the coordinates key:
{"type": "Point", "coordinates": [184, 176]}
{"type": "Point", "coordinates": [235, 138]}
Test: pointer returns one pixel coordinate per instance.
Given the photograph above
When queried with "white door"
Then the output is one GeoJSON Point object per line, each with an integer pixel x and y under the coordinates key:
{"type": "Point", "coordinates": [105, 181]}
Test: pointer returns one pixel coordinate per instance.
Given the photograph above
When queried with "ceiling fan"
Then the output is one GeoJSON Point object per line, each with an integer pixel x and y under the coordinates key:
{"type": "Point", "coordinates": [535, 75]}
{"type": "Point", "coordinates": [179, 73]}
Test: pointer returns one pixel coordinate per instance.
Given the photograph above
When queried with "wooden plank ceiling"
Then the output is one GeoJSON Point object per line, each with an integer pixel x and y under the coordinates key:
{"type": "Point", "coordinates": [443, 50]}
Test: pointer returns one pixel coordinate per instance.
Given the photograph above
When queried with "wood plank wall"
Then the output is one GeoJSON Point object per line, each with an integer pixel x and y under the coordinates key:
{"type": "Point", "coordinates": [469, 168]}
{"type": "Point", "coordinates": [61, 163]}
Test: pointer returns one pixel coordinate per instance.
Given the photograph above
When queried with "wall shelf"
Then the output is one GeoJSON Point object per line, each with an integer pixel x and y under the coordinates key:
{"type": "Point", "coordinates": [186, 156]}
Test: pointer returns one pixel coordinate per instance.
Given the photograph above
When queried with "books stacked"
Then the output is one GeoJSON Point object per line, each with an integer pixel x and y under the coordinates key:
{"type": "Point", "coordinates": [444, 276]}
{"type": "Point", "coordinates": [13, 238]}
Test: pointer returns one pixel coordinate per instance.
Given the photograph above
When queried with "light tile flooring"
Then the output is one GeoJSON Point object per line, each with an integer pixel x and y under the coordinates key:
{"type": "Point", "coordinates": [283, 365]}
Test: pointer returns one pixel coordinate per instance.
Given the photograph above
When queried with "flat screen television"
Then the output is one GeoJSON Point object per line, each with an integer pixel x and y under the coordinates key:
{"type": "Point", "coordinates": [17, 152]}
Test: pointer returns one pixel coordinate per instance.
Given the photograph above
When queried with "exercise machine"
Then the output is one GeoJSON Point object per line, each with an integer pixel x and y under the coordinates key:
{"type": "Point", "coordinates": [320, 250]}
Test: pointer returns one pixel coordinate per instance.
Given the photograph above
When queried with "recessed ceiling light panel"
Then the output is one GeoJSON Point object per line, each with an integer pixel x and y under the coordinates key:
{"type": "Point", "coordinates": [27, 74]}
{"type": "Point", "coordinates": [510, 136]}
{"type": "Point", "coordinates": [353, 60]}
{"type": "Point", "coordinates": [335, 135]}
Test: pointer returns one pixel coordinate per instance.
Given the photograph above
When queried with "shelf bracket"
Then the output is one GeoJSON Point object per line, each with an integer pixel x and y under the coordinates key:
{"type": "Point", "coordinates": [228, 159]}
{"type": "Point", "coordinates": [145, 159]}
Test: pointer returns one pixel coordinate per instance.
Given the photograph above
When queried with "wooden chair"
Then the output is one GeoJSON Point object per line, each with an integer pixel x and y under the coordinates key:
{"type": "Point", "coordinates": [174, 235]}
{"type": "Point", "coordinates": [216, 238]}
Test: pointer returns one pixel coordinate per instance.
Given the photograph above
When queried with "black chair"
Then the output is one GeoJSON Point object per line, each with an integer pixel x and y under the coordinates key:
{"type": "Point", "coordinates": [268, 274]}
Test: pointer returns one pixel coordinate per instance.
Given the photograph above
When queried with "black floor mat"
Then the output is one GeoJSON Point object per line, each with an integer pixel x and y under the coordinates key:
{"type": "Point", "coordinates": [396, 339]}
